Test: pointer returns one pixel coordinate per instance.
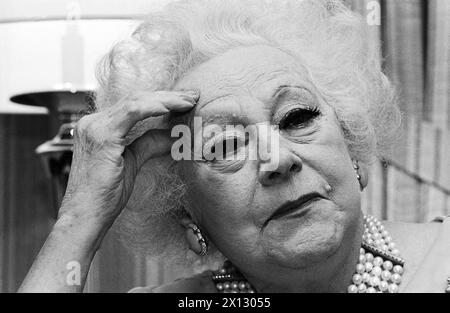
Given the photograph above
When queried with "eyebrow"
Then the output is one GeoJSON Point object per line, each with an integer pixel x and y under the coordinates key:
{"type": "Point", "coordinates": [219, 120]}
{"type": "Point", "coordinates": [282, 89]}
{"type": "Point", "coordinates": [277, 93]}
{"type": "Point", "coordinates": [202, 105]}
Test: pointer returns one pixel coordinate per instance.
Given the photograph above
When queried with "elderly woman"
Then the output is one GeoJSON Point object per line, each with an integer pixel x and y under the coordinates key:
{"type": "Point", "coordinates": [289, 220]}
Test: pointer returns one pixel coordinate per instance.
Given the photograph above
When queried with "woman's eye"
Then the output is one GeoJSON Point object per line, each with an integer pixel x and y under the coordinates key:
{"type": "Point", "coordinates": [299, 118]}
{"type": "Point", "coordinates": [225, 149]}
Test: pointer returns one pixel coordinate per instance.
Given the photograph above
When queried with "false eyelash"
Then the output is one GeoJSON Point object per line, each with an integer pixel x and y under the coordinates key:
{"type": "Point", "coordinates": [313, 112]}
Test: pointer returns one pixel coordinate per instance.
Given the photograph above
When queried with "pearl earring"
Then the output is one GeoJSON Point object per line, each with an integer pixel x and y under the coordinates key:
{"type": "Point", "coordinates": [196, 240]}
{"type": "Point", "coordinates": [356, 168]}
{"type": "Point", "coordinates": [358, 176]}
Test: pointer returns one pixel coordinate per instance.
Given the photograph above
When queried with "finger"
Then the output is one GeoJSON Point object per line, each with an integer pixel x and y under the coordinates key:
{"type": "Point", "coordinates": [125, 114]}
{"type": "Point", "coordinates": [154, 143]}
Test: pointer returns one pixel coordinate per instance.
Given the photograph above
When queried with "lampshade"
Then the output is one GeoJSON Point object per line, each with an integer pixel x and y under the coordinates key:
{"type": "Point", "coordinates": [50, 45]}
{"type": "Point", "coordinates": [53, 55]}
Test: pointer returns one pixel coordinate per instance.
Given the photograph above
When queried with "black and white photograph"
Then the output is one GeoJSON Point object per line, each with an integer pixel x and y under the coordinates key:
{"type": "Point", "coordinates": [191, 147]}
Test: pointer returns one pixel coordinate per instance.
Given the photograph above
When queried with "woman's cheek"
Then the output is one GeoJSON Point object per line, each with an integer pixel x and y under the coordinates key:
{"type": "Point", "coordinates": [340, 175]}
{"type": "Point", "coordinates": [228, 185]}
{"type": "Point", "coordinates": [226, 167]}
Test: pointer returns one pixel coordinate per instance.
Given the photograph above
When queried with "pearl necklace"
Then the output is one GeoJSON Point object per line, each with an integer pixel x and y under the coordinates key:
{"type": "Point", "coordinates": [379, 268]}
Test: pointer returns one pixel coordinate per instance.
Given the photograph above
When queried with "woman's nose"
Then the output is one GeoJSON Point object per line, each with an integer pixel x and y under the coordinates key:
{"type": "Point", "coordinates": [276, 170]}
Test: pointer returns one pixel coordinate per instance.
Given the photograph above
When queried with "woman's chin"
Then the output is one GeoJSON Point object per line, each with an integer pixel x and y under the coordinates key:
{"type": "Point", "coordinates": [291, 246]}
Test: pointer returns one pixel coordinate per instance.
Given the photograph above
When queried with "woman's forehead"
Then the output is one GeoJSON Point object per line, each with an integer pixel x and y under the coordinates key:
{"type": "Point", "coordinates": [256, 71]}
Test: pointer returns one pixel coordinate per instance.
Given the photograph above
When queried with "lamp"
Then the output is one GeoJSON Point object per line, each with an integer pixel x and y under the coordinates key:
{"type": "Point", "coordinates": [50, 70]}
{"type": "Point", "coordinates": [65, 108]}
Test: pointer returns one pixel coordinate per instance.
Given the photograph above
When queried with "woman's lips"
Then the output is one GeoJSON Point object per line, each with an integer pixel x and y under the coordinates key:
{"type": "Point", "coordinates": [295, 206]}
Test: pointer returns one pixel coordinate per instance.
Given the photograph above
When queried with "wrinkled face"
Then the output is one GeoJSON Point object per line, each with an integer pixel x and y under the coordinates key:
{"type": "Point", "coordinates": [263, 216]}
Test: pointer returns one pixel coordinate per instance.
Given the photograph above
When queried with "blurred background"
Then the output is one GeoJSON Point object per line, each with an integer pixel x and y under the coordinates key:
{"type": "Point", "coordinates": [48, 52]}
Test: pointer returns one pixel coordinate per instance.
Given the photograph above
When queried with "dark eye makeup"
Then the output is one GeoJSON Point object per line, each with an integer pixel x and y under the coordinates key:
{"type": "Point", "coordinates": [299, 118]}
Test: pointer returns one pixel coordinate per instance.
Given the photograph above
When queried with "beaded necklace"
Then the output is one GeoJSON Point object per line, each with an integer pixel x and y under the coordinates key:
{"type": "Point", "coordinates": [379, 268]}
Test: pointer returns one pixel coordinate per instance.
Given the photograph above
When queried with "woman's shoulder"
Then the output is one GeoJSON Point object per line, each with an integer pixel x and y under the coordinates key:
{"type": "Point", "coordinates": [420, 233]}
{"type": "Point", "coordinates": [200, 283]}
{"type": "Point", "coordinates": [425, 247]}
{"type": "Point", "coordinates": [419, 236]}
{"type": "Point", "coordinates": [415, 241]}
